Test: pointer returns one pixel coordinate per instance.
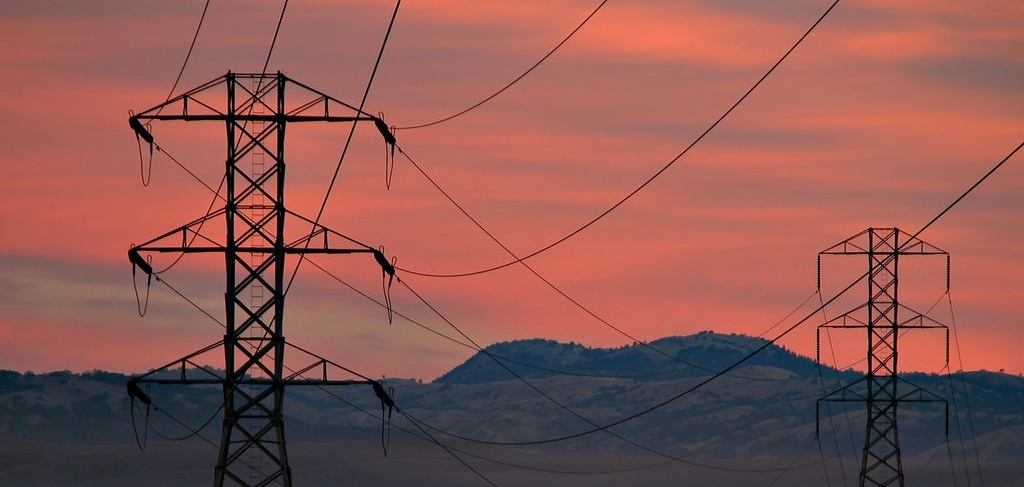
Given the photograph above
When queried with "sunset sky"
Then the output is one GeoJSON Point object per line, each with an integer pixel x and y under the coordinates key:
{"type": "Point", "coordinates": [886, 113]}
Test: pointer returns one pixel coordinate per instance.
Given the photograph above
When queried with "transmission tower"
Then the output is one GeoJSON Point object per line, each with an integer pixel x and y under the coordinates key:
{"type": "Point", "coordinates": [255, 113]}
{"type": "Point", "coordinates": [885, 319]}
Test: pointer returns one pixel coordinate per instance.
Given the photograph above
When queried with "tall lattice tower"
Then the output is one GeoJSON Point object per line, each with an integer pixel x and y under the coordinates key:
{"type": "Point", "coordinates": [885, 319]}
{"type": "Point", "coordinates": [255, 112]}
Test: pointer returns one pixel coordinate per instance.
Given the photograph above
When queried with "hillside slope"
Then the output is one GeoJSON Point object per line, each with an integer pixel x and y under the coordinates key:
{"type": "Point", "coordinates": [556, 397]}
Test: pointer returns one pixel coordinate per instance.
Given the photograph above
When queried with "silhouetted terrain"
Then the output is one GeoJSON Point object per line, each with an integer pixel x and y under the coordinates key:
{"type": "Point", "coordinates": [535, 403]}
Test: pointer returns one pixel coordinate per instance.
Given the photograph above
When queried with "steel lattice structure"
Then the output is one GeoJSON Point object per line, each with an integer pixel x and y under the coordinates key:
{"type": "Point", "coordinates": [255, 113]}
{"type": "Point", "coordinates": [881, 389]}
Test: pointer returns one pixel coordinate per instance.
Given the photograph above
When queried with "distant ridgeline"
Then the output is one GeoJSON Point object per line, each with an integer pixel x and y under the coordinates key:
{"type": "Point", "coordinates": [524, 390]}
{"type": "Point", "coordinates": [697, 355]}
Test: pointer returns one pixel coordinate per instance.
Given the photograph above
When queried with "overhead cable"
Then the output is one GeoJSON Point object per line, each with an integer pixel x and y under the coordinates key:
{"type": "Point", "coordinates": [668, 458]}
{"type": "Point", "coordinates": [148, 174]}
{"type": "Point", "coordinates": [514, 81]}
{"type": "Point", "coordinates": [273, 42]}
{"type": "Point", "coordinates": [967, 404]}
{"type": "Point", "coordinates": [188, 55]}
{"type": "Point", "coordinates": [348, 140]}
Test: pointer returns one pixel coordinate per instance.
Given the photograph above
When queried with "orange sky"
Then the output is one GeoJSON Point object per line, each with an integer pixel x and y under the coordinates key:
{"type": "Point", "coordinates": [886, 113]}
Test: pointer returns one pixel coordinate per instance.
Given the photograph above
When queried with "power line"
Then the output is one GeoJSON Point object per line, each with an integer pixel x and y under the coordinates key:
{"type": "Point", "coordinates": [348, 140]}
{"type": "Point", "coordinates": [967, 404]}
{"type": "Point", "coordinates": [514, 81]}
{"type": "Point", "coordinates": [449, 451]}
{"type": "Point", "coordinates": [383, 305]}
{"type": "Point", "coordinates": [146, 178]}
{"type": "Point", "coordinates": [189, 54]}
{"type": "Point", "coordinates": [645, 183]}
{"type": "Point", "coordinates": [362, 103]}
{"type": "Point", "coordinates": [969, 190]}
{"type": "Point", "coordinates": [845, 405]}
{"type": "Point", "coordinates": [668, 458]}
{"type": "Point", "coordinates": [273, 42]}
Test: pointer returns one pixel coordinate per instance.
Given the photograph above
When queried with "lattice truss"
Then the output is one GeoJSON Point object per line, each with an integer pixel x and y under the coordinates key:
{"type": "Point", "coordinates": [885, 319]}
{"type": "Point", "coordinates": [255, 112]}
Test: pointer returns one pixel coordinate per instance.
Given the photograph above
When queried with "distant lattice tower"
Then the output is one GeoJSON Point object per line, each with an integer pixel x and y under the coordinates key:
{"type": "Point", "coordinates": [254, 112]}
{"type": "Point", "coordinates": [884, 318]}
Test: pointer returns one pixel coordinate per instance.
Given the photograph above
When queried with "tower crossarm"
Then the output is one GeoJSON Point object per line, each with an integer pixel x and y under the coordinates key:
{"type": "Point", "coordinates": [192, 370]}
{"type": "Point", "coordinates": [862, 243]}
{"type": "Point", "coordinates": [205, 102]}
{"type": "Point", "coordinates": [184, 240]}
{"type": "Point", "coordinates": [253, 90]}
{"type": "Point", "coordinates": [857, 391]}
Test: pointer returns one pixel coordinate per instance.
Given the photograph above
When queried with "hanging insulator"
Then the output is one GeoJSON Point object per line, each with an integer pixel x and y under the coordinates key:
{"type": "Point", "coordinates": [389, 163]}
{"type": "Point", "coordinates": [390, 140]}
{"type": "Point", "coordinates": [136, 392]}
{"type": "Point", "coordinates": [385, 401]}
{"type": "Point", "coordinates": [385, 266]}
{"type": "Point", "coordinates": [384, 397]}
{"type": "Point", "coordinates": [140, 130]}
{"type": "Point", "coordinates": [135, 258]}
{"type": "Point", "coordinates": [387, 277]}
{"type": "Point", "coordinates": [389, 136]}
{"type": "Point", "coordinates": [142, 133]}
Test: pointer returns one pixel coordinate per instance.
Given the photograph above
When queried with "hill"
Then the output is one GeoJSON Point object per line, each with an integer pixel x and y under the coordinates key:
{"type": "Point", "coordinates": [665, 359]}
{"type": "Point", "coordinates": [542, 396]}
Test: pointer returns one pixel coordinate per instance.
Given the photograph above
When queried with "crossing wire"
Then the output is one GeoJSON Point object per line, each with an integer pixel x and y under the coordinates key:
{"type": "Point", "coordinates": [348, 142]}
{"type": "Point", "coordinates": [516, 259]}
{"type": "Point", "coordinates": [606, 427]}
{"type": "Point", "coordinates": [558, 290]}
{"type": "Point", "coordinates": [273, 42]}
